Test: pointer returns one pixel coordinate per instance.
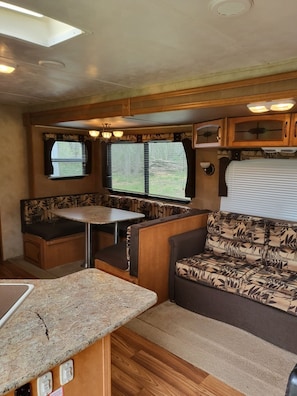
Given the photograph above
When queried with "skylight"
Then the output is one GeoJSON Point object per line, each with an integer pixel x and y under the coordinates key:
{"type": "Point", "coordinates": [33, 27]}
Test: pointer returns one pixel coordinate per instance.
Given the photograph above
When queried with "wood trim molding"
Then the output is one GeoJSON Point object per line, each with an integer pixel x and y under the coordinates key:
{"type": "Point", "coordinates": [275, 86]}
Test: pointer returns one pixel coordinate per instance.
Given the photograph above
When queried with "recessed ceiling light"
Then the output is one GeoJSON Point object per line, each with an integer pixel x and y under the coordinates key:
{"type": "Point", "coordinates": [51, 63]}
{"type": "Point", "coordinates": [6, 67]}
{"type": "Point", "coordinates": [229, 8]}
{"type": "Point", "coordinates": [274, 105]}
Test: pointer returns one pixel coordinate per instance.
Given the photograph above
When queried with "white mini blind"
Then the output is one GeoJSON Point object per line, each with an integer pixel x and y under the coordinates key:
{"type": "Point", "coordinates": [264, 187]}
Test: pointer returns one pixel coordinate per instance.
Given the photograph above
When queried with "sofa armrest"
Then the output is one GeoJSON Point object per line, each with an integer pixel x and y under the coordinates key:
{"type": "Point", "coordinates": [183, 245]}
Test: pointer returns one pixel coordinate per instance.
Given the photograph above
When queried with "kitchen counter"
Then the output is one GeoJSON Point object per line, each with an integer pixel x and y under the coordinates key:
{"type": "Point", "coordinates": [62, 317]}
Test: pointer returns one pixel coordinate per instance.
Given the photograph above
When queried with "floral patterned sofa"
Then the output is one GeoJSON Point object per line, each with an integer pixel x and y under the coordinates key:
{"type": "Point", "coordinates": [242, 270]}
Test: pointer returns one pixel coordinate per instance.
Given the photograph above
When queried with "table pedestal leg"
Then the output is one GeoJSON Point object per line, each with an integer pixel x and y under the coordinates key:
{"type": "Point", "coordinates": [116, 232]}
{"type": "Point", "coordinates": [87, 246]}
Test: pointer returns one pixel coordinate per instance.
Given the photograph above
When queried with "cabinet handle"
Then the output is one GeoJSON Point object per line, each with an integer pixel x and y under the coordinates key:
{"type": "Point", "coordinates": [285, 129]}
{"type": "Point", "coordinates": [295, 130]}
{"type": "Point", "coordinates": [219, 134]}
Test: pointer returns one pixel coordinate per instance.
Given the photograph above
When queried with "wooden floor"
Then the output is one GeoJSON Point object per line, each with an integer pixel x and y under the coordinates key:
{"type": "Point", "coordinates": [140, 367]}
{"type": "Point", "coordinates": [9, 270]}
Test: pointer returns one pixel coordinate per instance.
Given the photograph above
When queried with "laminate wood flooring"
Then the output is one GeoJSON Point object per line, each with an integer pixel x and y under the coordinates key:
{"type": "Point", "coordinates": [140, 367]}
{"type": "Point", "coordinates": [9, 270]}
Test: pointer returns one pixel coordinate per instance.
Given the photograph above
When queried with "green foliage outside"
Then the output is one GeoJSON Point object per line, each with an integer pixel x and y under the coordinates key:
{"type": "Point", "coordinates": [67, 159]}
{"type": "Point", "coordinates": [166, 165]}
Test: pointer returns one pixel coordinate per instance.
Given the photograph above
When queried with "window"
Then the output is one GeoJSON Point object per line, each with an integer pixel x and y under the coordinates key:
{"type": "Point", "coordinates": [155, 168]}
{"type": "Point", "coordinates": [66, 156]}
{"type": "Point", "coordinates": [68, 159]}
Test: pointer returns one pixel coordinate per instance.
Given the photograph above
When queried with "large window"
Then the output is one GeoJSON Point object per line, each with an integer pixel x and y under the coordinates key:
{"type": "Point", "coordinates": [153, 168]}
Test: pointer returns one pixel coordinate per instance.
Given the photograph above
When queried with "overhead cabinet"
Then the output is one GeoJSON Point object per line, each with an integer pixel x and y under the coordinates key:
{"type": "Point", "coordinates": [257, 131]}
{"type": "Point", "coordinates": [209, 133]}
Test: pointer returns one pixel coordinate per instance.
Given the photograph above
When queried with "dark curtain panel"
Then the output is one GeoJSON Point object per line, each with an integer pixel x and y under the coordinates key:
{"type": "Point", "coordinates": [104, 165]}
{"type": "Point", "coordinates": [223, 189]}
{"type": "Point", "coordinates": [88, 144]}
{"type": "Point", "coordinates": [48, 165]}
{"type": "Point", "coordinates": [191, 161]}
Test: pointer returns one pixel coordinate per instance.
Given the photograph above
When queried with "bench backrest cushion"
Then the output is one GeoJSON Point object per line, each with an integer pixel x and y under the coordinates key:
{"type": "Point", "coordinates": [282, 242]}
{"type": "Point", "coordinates": [236, 235]}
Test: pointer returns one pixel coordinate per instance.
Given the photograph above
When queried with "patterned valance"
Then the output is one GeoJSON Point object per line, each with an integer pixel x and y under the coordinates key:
{"type": "Point", "coordinates": [171, 137]}
{"type": "Point", "coordinates": [65, 137]}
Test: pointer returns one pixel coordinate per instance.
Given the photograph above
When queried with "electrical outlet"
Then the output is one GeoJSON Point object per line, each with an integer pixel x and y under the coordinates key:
{"type": "Point", "coordinates": [45, 384]}
{"type": "Point", "coordinates": [66, 372]}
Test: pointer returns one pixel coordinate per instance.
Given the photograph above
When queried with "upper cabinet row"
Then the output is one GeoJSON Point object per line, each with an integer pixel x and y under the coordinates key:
{"type": "Point", "coordinates": [253, 131]}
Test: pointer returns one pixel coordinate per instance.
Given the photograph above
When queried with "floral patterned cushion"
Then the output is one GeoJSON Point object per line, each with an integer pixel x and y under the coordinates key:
{"type": "Point", "coordinates": [266, 285]}
{"type": "Point", "coordinates": [236, 235]}
{"type": "Point", "coordinates": [282, 242]}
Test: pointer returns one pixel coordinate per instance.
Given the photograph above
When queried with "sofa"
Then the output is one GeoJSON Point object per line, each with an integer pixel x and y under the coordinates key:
{"type": "Point", "coordinates": [242, 270]}
{"type": "Point", "coordinates": [50, 240]}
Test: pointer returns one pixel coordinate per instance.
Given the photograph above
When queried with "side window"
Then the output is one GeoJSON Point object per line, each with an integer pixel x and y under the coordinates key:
{"type": "Point", "coordinates": [68, 159]}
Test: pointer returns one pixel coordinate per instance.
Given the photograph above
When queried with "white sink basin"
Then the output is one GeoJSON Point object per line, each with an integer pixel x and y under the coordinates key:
{"type": "Point", "coordinates": [11, 296]}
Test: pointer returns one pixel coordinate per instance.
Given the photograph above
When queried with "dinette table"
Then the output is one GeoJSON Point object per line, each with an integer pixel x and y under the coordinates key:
{"type": "Point", "coordinates": [96, 215]}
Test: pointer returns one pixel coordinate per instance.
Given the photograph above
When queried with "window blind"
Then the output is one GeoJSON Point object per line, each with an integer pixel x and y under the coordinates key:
{"type": "Point", "coordinates": [264, 187]}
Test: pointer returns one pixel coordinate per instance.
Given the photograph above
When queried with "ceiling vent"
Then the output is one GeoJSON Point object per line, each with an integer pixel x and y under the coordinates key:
{"type": "Point", "coordinates": [230, 8]}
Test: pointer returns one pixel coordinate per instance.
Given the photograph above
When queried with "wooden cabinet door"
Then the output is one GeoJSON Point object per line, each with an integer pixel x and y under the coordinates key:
{"type": "Point", "coordinates": [258, 131]}
{"type": "Point", "coordinates": [209, 134]}
{"type": "Point", "coordinates": [293, 131]}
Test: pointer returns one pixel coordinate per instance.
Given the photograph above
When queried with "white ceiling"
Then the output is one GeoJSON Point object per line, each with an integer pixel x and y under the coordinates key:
{"type": "Point", "coordinates": [139, 47]}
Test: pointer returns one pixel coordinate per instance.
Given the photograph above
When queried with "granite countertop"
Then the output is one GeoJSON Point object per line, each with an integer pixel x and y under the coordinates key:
{"type": "Point", "coordinates": [62, 317]}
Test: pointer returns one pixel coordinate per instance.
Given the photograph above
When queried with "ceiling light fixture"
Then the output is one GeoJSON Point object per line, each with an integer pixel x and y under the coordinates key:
{"type": "Point", "coordinates": [94, 134]}
{"type": "Point", "coordinates": [274, 105]}
{"type": "Point", "coordinates": [230, 8]}
{"type": "Point", "coordinates": [7, 69]}
{"type": "Point", "coordinates": [106, 134]}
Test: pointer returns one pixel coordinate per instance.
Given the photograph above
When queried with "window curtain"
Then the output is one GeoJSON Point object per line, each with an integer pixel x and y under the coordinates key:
{"type": "Point", "coordinates": [191, 162]}
{"type": "Point", "coordinates": [49, 141]}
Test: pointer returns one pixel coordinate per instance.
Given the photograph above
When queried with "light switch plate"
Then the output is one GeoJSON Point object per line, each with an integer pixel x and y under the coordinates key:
{"type": "Point", "coordinates": [45, 384]}
{"type": "Point", "coordinates": [66, 372]}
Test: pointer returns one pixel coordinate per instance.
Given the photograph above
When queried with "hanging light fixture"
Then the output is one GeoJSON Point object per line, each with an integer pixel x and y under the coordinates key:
{"type": "Point", "coordinates": [118, 134]}
{"type": "Point", "coordinates": [274, 105]}
{"type": "Point", "coordinates": [94, 134]}
{"type": "Point", "coordinates": [106, 134]}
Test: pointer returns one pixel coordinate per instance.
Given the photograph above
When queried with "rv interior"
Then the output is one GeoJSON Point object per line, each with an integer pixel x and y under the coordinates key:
{"type": "Point", "coordinates": [188, 72]}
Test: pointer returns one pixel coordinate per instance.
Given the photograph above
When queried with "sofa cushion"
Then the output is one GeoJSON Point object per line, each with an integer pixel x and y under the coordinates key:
{"type": "Point", "coordinates": [282, 242]}
{"type": "Point", "coordinates": [266, 285]}
{"type": "Point", "coordinates": [55, 229]}
{"type": "Point", "coordinates": [114, 255]}
{"type": "Point", "coordinates": [236, 235]}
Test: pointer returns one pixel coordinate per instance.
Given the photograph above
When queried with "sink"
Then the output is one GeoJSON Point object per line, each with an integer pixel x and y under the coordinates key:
{"type": "Point", "coordinates": [11, 296]}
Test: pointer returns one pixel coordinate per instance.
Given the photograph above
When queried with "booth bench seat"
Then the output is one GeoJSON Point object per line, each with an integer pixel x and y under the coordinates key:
{"type": "Point", "coordinates": [143, 258]}
{"type": "Point", "coordinates": [50, 241]}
